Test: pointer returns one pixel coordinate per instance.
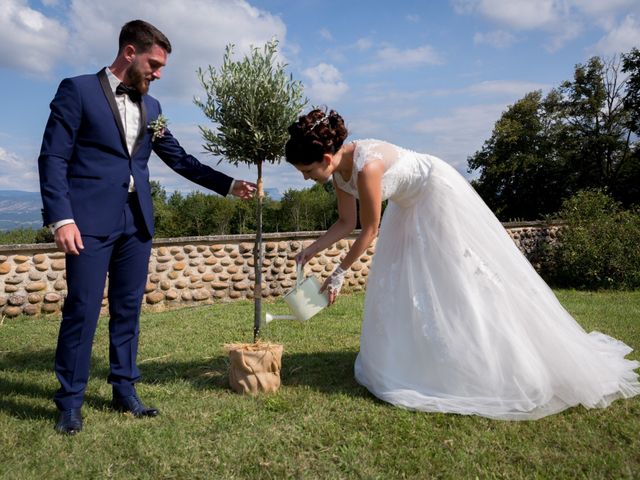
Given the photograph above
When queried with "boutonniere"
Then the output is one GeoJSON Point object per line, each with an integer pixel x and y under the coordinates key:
{"type": "Point", "coordinates": [158, 126]}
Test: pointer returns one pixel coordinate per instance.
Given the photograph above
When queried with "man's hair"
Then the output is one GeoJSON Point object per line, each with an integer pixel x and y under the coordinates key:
{"type": "Point", "coordinates": [142, 36]}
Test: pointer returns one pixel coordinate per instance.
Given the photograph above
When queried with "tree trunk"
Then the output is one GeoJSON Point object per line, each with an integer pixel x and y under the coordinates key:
{"type": "Point", "coordinates": [257, 256]}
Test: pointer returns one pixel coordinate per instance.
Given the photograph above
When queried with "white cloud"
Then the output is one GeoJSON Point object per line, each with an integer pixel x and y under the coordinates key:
{"type": "Point", "coordinates": [564, 34]}
{"type": "Point", "coordinates": [497, 38]}
{"type": "Point", "coordinates": [458, 134]}
{"type": "Point", "coordinates": [326, 34]}
{"type": "Point", "coordinates": [529, 14]}
{"type": "Point", "coordinates": [282, 176]}
{"type": "Point", "coordinates": [506, 91]}
{"type": "Point", "coordinates": [564, 20]}
{"type": "Point", "coordinates": [367, 127]}
{"type": "Point", "coordinates": [517, 14]}
{"type": "Point", "coordinates": [621, 38]}
{"type": "Point", "coordinates": [413, 18]}
{"type": "Point", "coordinates": [504, 88]}
{"type": "Point", "coordinates": [198, 31]}
{"type": "Point", "coordinates": [464, 7]}
{"type": "Point", "coordinates": [22, 174]}
{"type": "Point", "coordinates": [463, 120]}
{"type": "Point", "coordinates": [461, 133]}
{"type": "Point", "coordinates": [391, 57]}
{"type": "Point", "coordinates": [597, 8]}
{"type": "Point", "coordinates": [292, 49]}
{"type": "Point", "coordinates": [383, 94]}
{"type": "Point", "coordinates": [326, 85]}
{"type": "Point", "coordinates": [30, 41]}
{"type": "Point", "coordinates": [364, 44]}
{"type": "Point", "coordinates": [424, 55]}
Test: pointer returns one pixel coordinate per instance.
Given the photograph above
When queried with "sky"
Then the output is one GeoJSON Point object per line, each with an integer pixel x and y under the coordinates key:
{"type": "Point", "coordinates": [431, 76]}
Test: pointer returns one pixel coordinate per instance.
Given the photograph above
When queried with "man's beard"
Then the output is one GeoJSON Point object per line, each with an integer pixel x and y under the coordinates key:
{"type": "Point", "coordinates": [135, 78]}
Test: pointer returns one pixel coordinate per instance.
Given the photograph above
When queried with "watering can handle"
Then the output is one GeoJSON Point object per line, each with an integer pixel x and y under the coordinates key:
{"type": "Point", "coordinates": [299, 274]}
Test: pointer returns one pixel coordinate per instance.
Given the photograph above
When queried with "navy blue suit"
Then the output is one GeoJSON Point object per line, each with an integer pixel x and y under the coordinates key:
{"type": "Point", "coordinates": [84, 167]}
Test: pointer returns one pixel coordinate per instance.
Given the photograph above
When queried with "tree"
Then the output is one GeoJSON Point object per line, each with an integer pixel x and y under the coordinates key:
{"type": "Point", "coordinates": [252, 102]}
{"type": "Point", "coordinates": [244, 216]}
{"type": "Point", "coordinates": [631, 66]}
{"type": "Point", "coordinates": [309, 209]}
{"type": "Point", "coordinates": [543, 151]}
{"type": "Point", "coordinates": [196, 213]}
{"type": "Point", "coordinates": [630, 173]}
{"type": "Point", "coordinates": [222, 213]}
{"type": "Point", "coordinates": [596, 144]}
{"type": "Point", "coordinates": [518, 168]}
{"type": "Point", "coordinates": [273, 216]}
{"type": "Point", "coordinates": [161, 213]}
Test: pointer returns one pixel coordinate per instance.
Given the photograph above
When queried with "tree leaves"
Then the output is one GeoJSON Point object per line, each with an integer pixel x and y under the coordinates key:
{"type": "Point", "coordinates": [543, 150]}
{"type": "Point", "coordinates": [252, 102]}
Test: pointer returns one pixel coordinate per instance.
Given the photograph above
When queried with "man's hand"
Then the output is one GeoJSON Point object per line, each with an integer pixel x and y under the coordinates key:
{"type": "Point", "coordinates": [243, 189]}
{"type": "Point", "coordinates": [68, 239]}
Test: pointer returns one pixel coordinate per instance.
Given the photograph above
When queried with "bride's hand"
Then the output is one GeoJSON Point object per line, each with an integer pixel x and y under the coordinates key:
{"type": "Point", "coordinates": [304, 256]}
{"type": "Point", "coordinates": [333, 284]}
{"type": "Point", "coordinates": [331, 293]}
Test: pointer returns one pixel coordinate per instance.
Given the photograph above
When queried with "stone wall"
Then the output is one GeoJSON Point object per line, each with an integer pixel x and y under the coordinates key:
{"type": "Point", "coordinates": [530, 237]}
{"type": "Point", "coordinates": [200, 270]}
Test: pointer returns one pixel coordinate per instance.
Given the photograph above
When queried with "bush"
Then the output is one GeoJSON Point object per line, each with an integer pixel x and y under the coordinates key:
{"type": "Point", "coordinates": [599, 247]}
{"type": "Point", "coordinates": [25, 235]}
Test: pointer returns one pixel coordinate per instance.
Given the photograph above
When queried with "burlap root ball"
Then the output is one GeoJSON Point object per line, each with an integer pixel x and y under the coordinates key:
{"type": "Point", "coordinates": [255, 367]}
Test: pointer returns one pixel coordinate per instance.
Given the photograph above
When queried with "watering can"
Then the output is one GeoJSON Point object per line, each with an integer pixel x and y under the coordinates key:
{"type": "Point", "coordinates": [304, 299]}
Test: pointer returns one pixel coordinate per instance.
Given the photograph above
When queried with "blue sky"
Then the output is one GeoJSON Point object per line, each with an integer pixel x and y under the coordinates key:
{"type": "Point", "coordinates": [433, 76]}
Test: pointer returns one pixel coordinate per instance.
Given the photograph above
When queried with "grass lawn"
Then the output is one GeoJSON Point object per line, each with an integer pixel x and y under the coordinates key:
{"type": "Point", "coordinates": [321, 424]}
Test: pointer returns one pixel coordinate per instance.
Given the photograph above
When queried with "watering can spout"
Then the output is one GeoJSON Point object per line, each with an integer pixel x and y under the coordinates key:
{"type": "Point", "coordinates": [268, 318]}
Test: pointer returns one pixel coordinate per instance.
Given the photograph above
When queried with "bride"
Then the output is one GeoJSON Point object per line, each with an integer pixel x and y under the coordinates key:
{"type": "Point", "coordinates": [456, 319]}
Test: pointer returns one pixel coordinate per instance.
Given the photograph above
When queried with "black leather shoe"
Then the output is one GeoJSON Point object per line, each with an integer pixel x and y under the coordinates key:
{"type": "Point", "coordinates": [69, 421]}
{"type": "Point", "coordinates": [134, 406]}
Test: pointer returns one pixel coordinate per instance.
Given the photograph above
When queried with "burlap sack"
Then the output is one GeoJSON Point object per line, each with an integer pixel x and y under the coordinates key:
{"type": "Point", "coordinates": [255, 367]}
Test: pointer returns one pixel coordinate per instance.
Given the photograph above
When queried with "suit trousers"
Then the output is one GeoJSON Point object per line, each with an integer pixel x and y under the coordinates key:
{"type": "Point", "coordinates": [124, 257]}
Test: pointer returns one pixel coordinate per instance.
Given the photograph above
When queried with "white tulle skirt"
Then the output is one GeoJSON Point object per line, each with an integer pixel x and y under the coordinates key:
{"type": "Point", "coordinates": [457, 320]}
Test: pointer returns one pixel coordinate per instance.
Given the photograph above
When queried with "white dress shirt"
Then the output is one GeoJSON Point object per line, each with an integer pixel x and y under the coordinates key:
{"type": "Point", "coordinates": [130, 116]}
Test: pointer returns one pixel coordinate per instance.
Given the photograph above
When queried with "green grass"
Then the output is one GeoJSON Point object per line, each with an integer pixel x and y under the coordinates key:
{"type": "Point", "coordinates": [321, 423]}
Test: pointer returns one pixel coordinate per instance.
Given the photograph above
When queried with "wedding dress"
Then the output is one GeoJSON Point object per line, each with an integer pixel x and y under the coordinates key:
{"type": "Point", "coordinates": [456, 319]}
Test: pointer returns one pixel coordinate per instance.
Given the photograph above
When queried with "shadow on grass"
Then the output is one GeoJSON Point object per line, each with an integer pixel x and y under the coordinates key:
{"type": "Point", "coordinates": [29, 364]}
{"type": "Point", "coordinates": [327, 372]}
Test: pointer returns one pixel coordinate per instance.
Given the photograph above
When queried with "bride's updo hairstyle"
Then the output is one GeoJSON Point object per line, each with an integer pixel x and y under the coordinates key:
{"type": "Point", "coordinates": [313, 135]}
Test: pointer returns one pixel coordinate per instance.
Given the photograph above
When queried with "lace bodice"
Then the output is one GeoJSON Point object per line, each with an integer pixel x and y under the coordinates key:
{"type": "Point", "coordinates": [405, 171]}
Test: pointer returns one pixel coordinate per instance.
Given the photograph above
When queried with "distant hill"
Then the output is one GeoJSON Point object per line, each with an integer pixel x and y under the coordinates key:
{"type": "Point", "coordinates": [20, 209]}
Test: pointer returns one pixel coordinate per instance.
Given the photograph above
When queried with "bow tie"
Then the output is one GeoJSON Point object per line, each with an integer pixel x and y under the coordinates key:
{"type": "Point", "coordinates": [131, 92]}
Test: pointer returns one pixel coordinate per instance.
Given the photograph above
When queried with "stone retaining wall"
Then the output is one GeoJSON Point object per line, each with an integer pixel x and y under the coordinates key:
{"type": "Point", "coordinates": [200, 270]}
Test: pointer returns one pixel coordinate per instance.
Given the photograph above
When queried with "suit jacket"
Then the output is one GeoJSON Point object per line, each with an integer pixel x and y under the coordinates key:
{"type": "Point", "coordinates": [84, 163]}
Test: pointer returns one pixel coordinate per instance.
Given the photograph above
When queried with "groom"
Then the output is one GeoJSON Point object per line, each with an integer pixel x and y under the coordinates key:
{"type": "Point", "coordinates": [94, 181]}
